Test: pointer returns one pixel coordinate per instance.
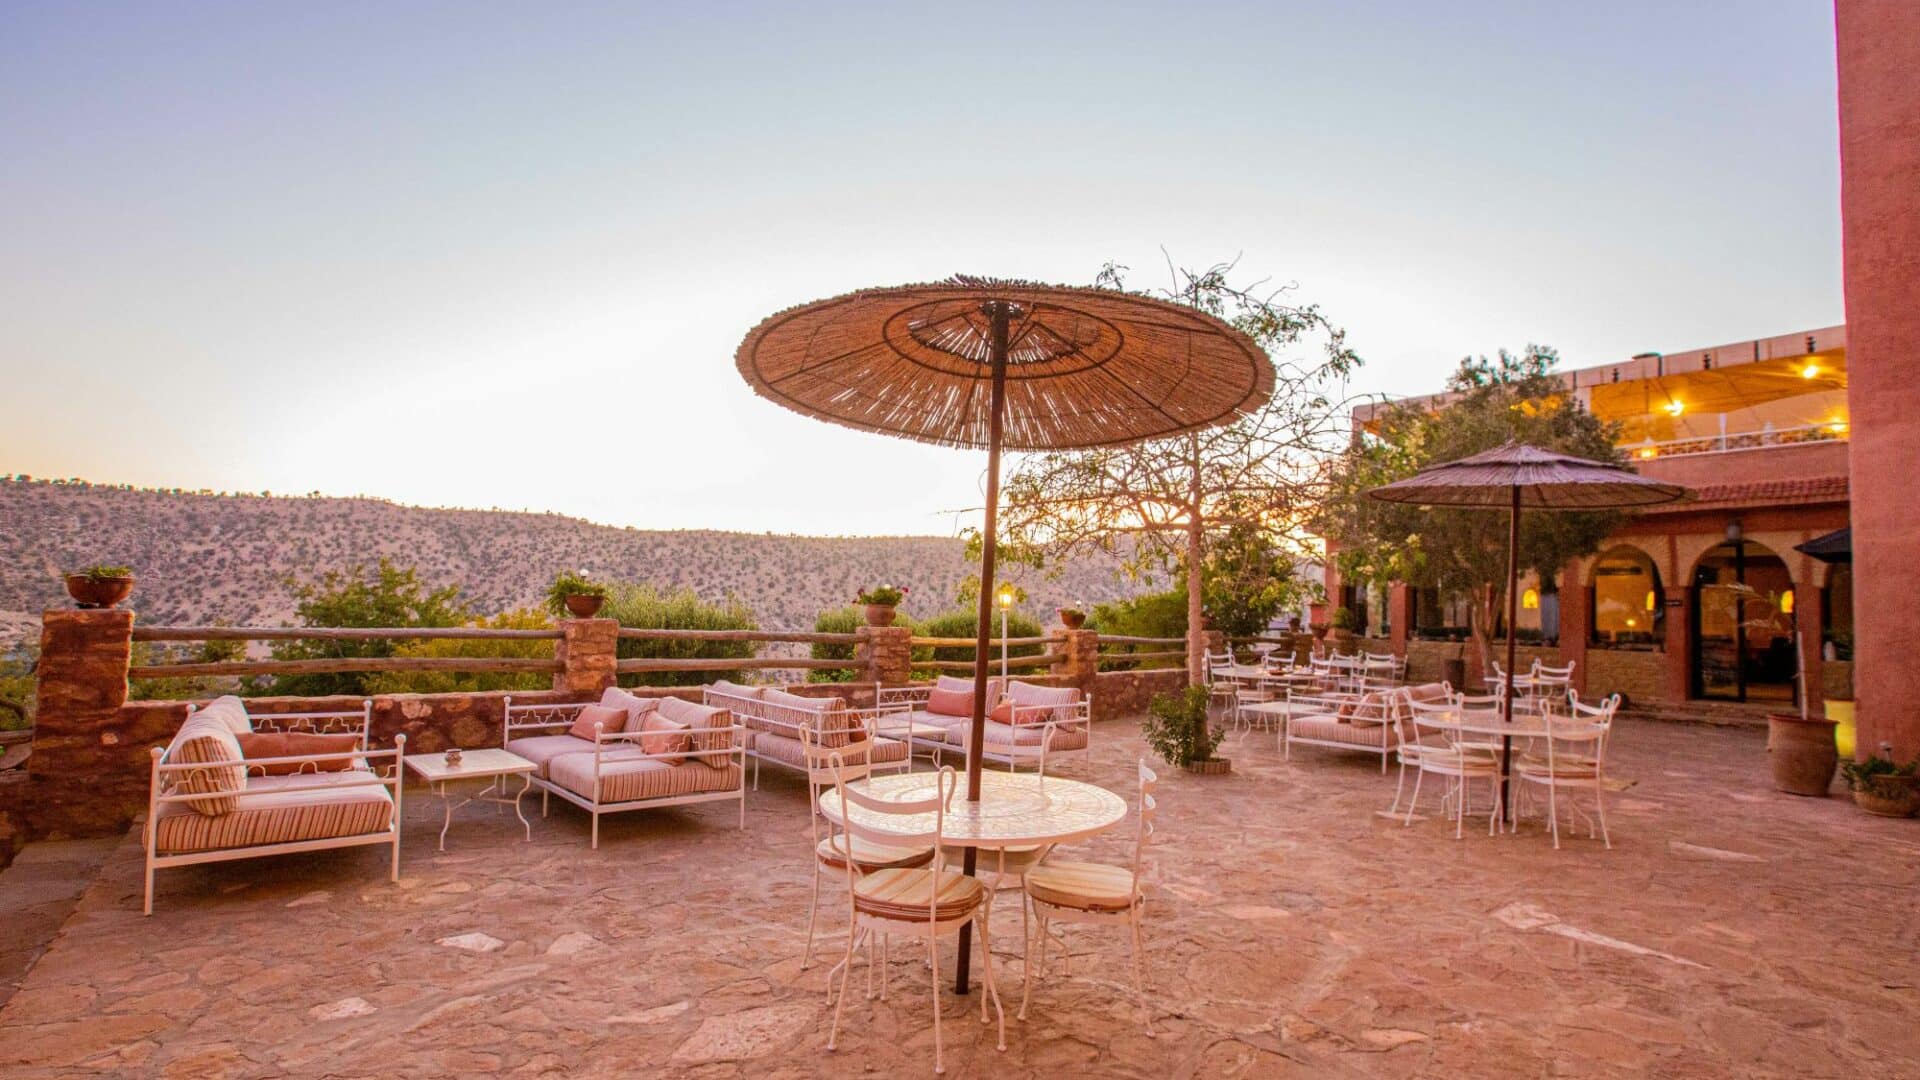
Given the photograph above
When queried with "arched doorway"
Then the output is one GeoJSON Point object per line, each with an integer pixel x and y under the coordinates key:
{"type": "Point", "coordinates": [1743, 625]}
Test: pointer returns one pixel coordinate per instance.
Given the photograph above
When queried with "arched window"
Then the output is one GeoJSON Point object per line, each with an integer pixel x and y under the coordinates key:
{"type": "Point", "coordinates": [1626, 608]}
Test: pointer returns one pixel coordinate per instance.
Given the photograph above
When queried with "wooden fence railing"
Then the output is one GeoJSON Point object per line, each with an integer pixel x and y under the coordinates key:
{"type": "Point", "coordinates": [1120, 650]}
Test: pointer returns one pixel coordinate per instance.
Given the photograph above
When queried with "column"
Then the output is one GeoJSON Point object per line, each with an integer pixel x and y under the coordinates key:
{"type": "Point", "coordinates": [884, 655]}
{"type": "Point", "coordinates": [587, 654]}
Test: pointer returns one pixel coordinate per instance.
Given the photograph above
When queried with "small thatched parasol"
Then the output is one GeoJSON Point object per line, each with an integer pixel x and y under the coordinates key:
{"type": "Point", "coordinates": [1515, 477]}
{"type": "Point", "coordinates": [977, 362]}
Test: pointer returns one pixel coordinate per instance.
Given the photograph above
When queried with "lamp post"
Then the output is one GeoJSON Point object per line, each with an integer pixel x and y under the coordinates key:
{"type": "Point", "coordinates": [1005, 597]}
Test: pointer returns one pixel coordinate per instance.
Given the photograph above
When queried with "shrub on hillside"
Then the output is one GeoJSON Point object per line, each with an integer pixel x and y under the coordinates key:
{"type": "Point", "coordinates": [964, 624]}
{"type": "Point", "coordinates": [470, 682]}
{"type": "Point", "coordinates": [383, 596]}
{"type": "Point", "coordinates": [645, 607]}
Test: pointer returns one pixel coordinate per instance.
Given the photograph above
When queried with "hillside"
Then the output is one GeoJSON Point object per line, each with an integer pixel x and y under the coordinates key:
{"type": "Point", "coordinates": [206, 557]}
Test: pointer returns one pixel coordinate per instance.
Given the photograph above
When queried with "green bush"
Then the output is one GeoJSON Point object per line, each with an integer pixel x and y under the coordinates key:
{"type": "Point", "coordinates": [1177, 728]}
{"type": "Point", "coordinates": [473, 682]}
{"type": "Point", "coordinates": [844, 620]}
{"type": "Point", "coordinates": [1154, 615]}
{"type": "Point", "coordinates": [382, 596]}
{"type": "Point", "coordinates": [961, 623]}
{"type": "Point", "coordinates": [645, 607]}
{"type": "Point", "coordinates": [17, 684]}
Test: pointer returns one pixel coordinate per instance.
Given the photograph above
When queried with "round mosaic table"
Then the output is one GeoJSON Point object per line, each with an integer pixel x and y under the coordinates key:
{"type": "Point", "coordinates": [1015, 810]}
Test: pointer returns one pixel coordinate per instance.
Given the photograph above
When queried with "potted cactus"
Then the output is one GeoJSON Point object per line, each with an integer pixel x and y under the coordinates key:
{"type": "Point", "coordinates": [100, 586]}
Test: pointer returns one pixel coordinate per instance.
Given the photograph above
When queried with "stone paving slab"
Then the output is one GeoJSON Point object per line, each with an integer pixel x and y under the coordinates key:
{"type": "Point", "coordinates": [1294, 931]}
{"type": "Point", "coordinates": [38, 891]}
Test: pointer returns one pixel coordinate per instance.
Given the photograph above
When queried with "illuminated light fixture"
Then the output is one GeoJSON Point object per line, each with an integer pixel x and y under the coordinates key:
{"type": "Point", "coordinates": [1650, 600]}
{"type": "Point", "coordinates": [1005, 596]}
{"type": "Point", "coordinates": [1632, 622]}
{"type": "Point", "coordinates": [1786, 602]}
{"type": "Point", "coordinates": [1675, 408]}
{"type": "Point", "coordinates": [1530, 599]}
{"type": "Point", "coordinates": [1838, 427]}
{"type": "Point", "coordinates": [1811, 371]}
{"type": "Point", "coordinates": [1648, 452]}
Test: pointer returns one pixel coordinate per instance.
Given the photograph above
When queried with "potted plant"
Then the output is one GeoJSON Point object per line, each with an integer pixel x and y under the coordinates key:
{"type": "Point", "coordinates": [576, 595]}
{"type": "Point", "coordinates": [1072, 618]}
{"type": "Point", "coordinates": [1178, 729]}
{"type": "Point", "coordinates": [1881, 787]}
{"type": "Point", "coordinates": [1340, 629]}
{"type": "Point", "coordinates": [100, 586]}
{"type": "Point", "coordinates": [1317, 618]}
{"type": "Point", "coordinates": [881, 602]}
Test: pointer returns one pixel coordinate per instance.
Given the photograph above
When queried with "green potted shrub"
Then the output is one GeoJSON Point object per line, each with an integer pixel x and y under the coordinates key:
{"type": "Point", "coordinates": [1177, 727]}
{"type": "Point", "coordinates": [1340, 629]}
{"type": "Point", "coordinates": [1881, 787]}
{"type": "Point", "coordinates": [100, 586]}
{"type": "Point", "coordinates": [881, 603]}
{"type": "Point", "coordinates": [576, 595]}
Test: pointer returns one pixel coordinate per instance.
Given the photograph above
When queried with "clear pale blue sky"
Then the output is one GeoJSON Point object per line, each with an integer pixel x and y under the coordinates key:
{"type": "Point", "coordinates": [501, 255]}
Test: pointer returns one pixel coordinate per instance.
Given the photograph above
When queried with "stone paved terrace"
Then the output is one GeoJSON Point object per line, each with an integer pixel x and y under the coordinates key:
{"type": "Point", "coordinates": [1731, 931]}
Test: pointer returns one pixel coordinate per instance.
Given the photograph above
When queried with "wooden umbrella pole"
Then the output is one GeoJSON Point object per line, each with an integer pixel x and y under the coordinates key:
{"type": "Point", "coordinates": [990, 535]}
{"type": "Point", "coordinates": [1513, 616]}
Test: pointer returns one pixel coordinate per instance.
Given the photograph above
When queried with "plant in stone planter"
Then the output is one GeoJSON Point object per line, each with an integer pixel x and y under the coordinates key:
{"type": "Point", "coordinates": [576, 595]}
{"type": "Point", "coordinates": [1882, 787]}
{"type": "Point", "coordinates": [100, 586]}
{"type": "Point", "coordinates": [1178, 729]}
{"type": "Point", "coordinates": [1072, 618]}
{"type": "Point", "coordinates": [881, 602]}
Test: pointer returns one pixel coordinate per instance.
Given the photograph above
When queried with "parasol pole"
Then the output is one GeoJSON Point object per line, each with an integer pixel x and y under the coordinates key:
{"type": "Point", "coordinates": [977, 731]}
{"type": "Point", "coordinates": [1513, 616]}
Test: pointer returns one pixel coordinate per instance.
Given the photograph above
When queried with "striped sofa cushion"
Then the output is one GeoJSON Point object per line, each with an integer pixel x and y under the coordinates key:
{"type": "Point", "coordinates": [207, 740]}
{"type": "Point", "coordinates": [743, 701]}
{"type": "Point", "coordinates": [279, 810]}
{"type": "Point", "coordinates": [1025, 694]}
{"type": "Point", "coordinates": [542, 749]}
{"type": "Point", "coordinates": [789, 751]}
{"type": "Point", "coordinates": [231, 712]}
{"type": "Point", "coordinates": [701, 721]}
{"type": "Point", "coordinates": [1332, 729]}
{"type": "Point", "coordinates": [630, 779]}
{"type": "Point", "coordinates": [1001, 736]}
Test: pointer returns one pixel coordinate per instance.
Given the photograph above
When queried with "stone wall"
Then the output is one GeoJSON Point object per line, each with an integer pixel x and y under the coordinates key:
{"type": "Point", "coordinates": [1836, 679]}
{"type": "Point", "coordinates": [1636, 675]}
{"type": "Point", "coordinates": [1126, 693]}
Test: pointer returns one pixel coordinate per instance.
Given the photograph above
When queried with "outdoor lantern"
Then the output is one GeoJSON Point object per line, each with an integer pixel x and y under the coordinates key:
{"type": "Point", "coordinates": [1006, 597]}
{"type": "Point", "coordinates": [1786, 602]}
{"type": "Point", "coordinates": [1733, 531]}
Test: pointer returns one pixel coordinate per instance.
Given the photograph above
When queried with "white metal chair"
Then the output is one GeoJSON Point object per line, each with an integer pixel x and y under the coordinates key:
{"type": "Point", "coordinates": [835, 850]}
{"type": "Point", "coordinates": [1085, 892]}
{"type": "Point", "coordinates": [1573, 755]}
{"type": "Point", "coordinates": [1445, 753]}
{"type": "Point", "coordinates": [904, 900]}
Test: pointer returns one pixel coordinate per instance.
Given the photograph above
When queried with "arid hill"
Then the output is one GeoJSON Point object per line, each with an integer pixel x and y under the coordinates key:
{"type": "Point", "coordinates": [203, 557]}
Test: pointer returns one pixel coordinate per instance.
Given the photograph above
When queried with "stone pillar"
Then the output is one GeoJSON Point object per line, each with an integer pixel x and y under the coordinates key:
{"type": "Point", "coordinates": [884, 655]}
{"type": "Point", "coordinates": [1878, 45]}
{"type": "Point", "coordinates": [1080, 658]}
{"type": "Point", "coordinates": [1574, 619]}
{"type": "Point", "coordinates": [1399, 616]}
{"type": "Point", "coordinates": [88, 775]}
{"type": "Point", "coordinates": [1214, 641]}
{"type": "Point", "coordinates": [586, 652]}
{"type": "Point", "coordinates": [1807, 606]}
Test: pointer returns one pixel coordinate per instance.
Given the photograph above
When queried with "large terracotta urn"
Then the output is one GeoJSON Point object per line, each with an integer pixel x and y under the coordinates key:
{"type": "Point", "coordinates": [1802, 752]}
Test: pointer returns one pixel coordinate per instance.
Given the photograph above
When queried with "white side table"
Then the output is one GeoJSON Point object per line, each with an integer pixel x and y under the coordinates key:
{"type": "Point", "coordinates": [493, 766]}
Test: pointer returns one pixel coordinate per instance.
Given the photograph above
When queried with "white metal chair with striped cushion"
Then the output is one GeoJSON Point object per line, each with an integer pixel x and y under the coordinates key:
{"type": "Point", "coordinates": [1085, 892]}
{"type": "Point", "coordinates": [1573, 755]}
{"type": "Point", "coordinates": [900, 900]}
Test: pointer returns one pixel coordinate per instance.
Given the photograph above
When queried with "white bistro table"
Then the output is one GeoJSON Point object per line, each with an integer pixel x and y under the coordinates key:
{"type": "Point", "coordinates": [493, 766]}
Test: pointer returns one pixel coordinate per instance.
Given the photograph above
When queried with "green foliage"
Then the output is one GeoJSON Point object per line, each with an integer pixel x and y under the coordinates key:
{"type": "Point", "coordinates": [567, 583]}
{"type": "Point", "coordinates": [188, 687]}
{"type": "Point", "coordinates": [17, 684]}
{"type": "Point", "coordinates": [1873, 775]}
{"type": "Point", "coordinates": [645, 607]}
{"type": "Point", "coordinates": [1246, 580]}
{"type": "Point", "coordinates": [386, 596]}
{"type": "Point", "coordinates": [1342, 619]}
{"type": "Point", "coordinates": [472, 682]}
{"type": "Point", "coordinates": [1155, 615]}
{"type": "Point", "coordinates": [889, 595]}
{"type": "Point", "coordinates": [102, 572]}
{"type": "Point", "coordinates": [843, 620]}
{"type": "Point", "coordinates": [1176, 726]}
{"type": "Point", "coordinates": [961, 623]}
{"type": "Point", "coordinates": [1459, 551]}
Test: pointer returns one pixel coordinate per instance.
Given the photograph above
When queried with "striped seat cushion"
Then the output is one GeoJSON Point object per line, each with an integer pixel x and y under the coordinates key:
{"type": "Point", "coordinates": [868, 855]}
{"type": "Point", "coordinates": [1000, 736]}
{"type": "Point", "coordinates": [280, 810]}
{"type": "Point", "coordinates": [788, 750]}
{"type": "Point", "coordinates": [907, 894]}
{"type": "Point", "coordinates": [1024, 695]}
{"type": "Point", "coordinates": [707, 725]}
{"type": "Point", "coordinates": [1563, 767]}
{"type": "Point", "coordinates": [627, 777]}
{"type": "Point", "coordinates": [206, 739]}
{"type": "Point", "coordinates": [1331, 729]}
{"type": "Point", "coordinates": [542, 749]}
{"type": "Point", "coordinates": [1082, 886]}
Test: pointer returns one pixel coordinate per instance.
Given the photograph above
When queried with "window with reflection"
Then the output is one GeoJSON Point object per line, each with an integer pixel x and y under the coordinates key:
{"type": "Point", "coordinates": [1627, 609]}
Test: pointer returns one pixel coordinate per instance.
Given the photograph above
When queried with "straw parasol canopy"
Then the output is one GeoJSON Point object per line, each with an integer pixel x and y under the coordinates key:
{"type": "Point", "coordinates": [1514, 477]}
{"type": "Point", "coordinates": [1084, 367]}
{"type": "Point", "coordinates": [982, 362]}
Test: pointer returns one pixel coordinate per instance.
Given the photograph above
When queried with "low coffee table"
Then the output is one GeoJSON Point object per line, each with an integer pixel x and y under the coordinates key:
{"type": "Point", "coordinates": [916, 736]}
{"type": "Point", "coordinates": [493, 766]}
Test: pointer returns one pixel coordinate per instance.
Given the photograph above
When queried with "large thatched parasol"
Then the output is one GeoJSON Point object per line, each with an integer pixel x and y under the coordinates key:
{"type": "Point", "coordinates": [977, 362]}
{"type": "Point", "coordinates": [1515, 477]}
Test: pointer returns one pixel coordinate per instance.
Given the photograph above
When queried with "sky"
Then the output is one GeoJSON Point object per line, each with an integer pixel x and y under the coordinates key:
{"type": "Point", "coordinates": [501, 255]}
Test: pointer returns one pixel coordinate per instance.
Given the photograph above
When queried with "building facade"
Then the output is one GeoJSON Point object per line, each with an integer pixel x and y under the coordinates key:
{"type": "Point", "coordinates": [1707, 600]}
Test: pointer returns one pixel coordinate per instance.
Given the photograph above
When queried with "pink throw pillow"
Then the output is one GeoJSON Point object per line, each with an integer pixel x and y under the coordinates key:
{"type": "Point", "coordinates": [663, 736]}
{"type": "Point", "coordinates": [609, 718]}
{"type": "Point", "coordinates": [950, 702]}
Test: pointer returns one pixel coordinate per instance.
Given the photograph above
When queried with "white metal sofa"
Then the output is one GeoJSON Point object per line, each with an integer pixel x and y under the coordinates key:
{"type": "Point", "coordinates": [631, 768]}
{"type": "Point", "coordinates": [775, 718]}
{"type": "Point", "coordinates": [210, 802]}
{"type": "Point", "coordinates": [1042, 723]}
{"type": "Point", "coordinates": [1371, 723]}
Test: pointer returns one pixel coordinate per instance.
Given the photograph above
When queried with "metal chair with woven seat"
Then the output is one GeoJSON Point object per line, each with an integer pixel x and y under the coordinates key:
{"type": "Point", "coordinates": [910, 900]}
{"type": "Point", "coordinates": [1085, 892]}
{"type": "Point", "coordinates": [837, 850]}
{"type": "Point", "coordinates": [1573, 755]}
{"type": "Point", "coordinates": [1444, 753]}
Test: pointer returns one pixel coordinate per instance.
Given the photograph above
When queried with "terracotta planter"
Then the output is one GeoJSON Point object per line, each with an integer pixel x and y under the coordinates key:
{"type": "Point", "coordinates": [1218, 766]}
{"type": "Point", "coordinates": [1889, 796]}
{"type": "Point", "coordinates": [98, 592]}
{"type": "Point", "coordinates": [583, 606]}
{"type": "Point", "coordinates": [1073, 620]}
{"type": "Point", "coordinates": [880, 614]}
{"type": "Point", "coordinates": [1803, 754]}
